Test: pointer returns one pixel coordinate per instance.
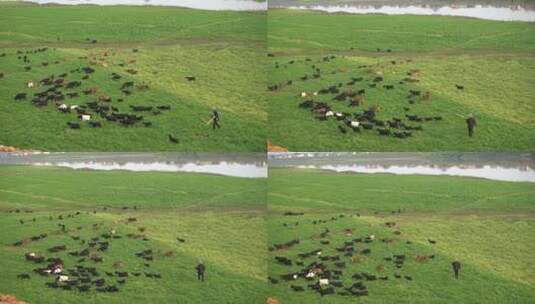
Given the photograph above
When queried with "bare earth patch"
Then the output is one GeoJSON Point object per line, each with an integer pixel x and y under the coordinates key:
{"type": "Point", "coordinates": [8, 299]}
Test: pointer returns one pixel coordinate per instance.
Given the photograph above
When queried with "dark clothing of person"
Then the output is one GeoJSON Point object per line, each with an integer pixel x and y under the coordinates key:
{"type": "Point", "coordinates": [456, 268]}
{"type": "Point", "coordinates": [471, 123]}
{"type": "Point", "coordinates": [215, 120]}
{"type": "Point", "coordinates": [200, 272]}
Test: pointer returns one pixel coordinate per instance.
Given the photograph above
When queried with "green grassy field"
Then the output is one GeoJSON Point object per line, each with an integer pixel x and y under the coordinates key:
{"type": "Point", "coordinates": [486, 225]}
{"type": "Point", "coordinates": [220, 218]}
{"type": "Point", "coordinates": [492, 60]}
{"type": "Point", "coordinates": [224, 50]}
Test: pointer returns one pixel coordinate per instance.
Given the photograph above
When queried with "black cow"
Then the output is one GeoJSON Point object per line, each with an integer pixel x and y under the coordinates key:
{"type": "Point", "coordinates": [172, 139]}
{"type": "Point", "coordinates": [20, 96]}
{"type": "Point", "coordinates": [471, 123]}
{"type": "Point", "coordinates": [200, 271]}
{"type": "Point", "coordinates": [456, 265]}
{"type": "Point", "coordinates": [73, 125]}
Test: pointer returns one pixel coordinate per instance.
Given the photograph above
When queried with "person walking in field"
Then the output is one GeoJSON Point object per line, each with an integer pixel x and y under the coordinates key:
{"type": "Point", "coordinates": [456, 265]}
{"type": "Point", "coordinates": [471, 123]}
{"type": "Point", "coordinates": [200, 271]}
{"type": "Point", "coordinates": [214, 119]}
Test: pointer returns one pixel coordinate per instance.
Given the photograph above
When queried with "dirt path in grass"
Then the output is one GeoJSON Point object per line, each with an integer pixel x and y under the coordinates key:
{"type": "Point", "coordinates": [195, 41]}
{"type": "Point", "coordinates": [477, 53]}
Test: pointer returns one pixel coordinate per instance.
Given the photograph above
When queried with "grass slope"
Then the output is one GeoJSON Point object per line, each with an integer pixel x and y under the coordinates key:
{"type": "Point", "coordinates": [492, 60]}
{"type": "Point", "coordinates": [220, 218]}
{"type": "Point", "coordinates": [484, 224]}
{"type": "Point", "coordinates": [223, 50]}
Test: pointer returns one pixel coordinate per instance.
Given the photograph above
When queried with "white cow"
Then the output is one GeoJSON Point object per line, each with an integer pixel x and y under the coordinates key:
{"type": "Point", "coordinates": [329, 114]}
{"type": "Point", "coordinates": [324, 282]}
{"type": "Point", "coordinates": [355, 124]}
{"type": "Point", "coordinates": [86, 117]}
{"type": "Point", "coordinates": [63, 106]}
{"type": "Point", "coordinates": [74, 107]}
{"type": "Point", "coordinates": [62, 278]}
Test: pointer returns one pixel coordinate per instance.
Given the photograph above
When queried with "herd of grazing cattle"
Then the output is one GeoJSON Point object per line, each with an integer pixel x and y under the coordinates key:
{"type": "Point", "coordinates": [352, 93]}
{"type": "Point", "coordinates": [336, 264]}
{"type": "Point", "coordinates": [73, 91]}
{"type": "Point", "coordinates": [92, 250]}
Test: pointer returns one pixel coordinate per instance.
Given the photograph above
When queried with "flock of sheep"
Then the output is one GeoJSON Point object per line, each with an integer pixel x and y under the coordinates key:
{"type": "Point", "coordinates": [352, 93]}
{"type": "Point", "coordinates": [72, 92]}
{"type": "Point", "coordinates": [85, 272]}
{"type": "Point", "coordinates": [332, 267]}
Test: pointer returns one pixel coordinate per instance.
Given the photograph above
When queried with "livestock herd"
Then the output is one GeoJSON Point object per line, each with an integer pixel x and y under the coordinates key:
{"type": "Point", "coordinates": [74, 91]}
{"type": "Point", "coordinates": [80, 259]}
{"type": "Point", "coordinates": [352, 93]}
{"type": "Point", "coordinates": [340, 261]}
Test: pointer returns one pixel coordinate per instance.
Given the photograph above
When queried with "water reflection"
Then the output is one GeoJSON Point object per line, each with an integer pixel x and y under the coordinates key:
{"type": "Point", "coordinates": [251, 165]}
{"type": "Point", "coordinates": [495, 166]}
{"type": "Point", "coordinates": [234, 5]}
{"type": "Point", "coordinates": [491, 10]}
